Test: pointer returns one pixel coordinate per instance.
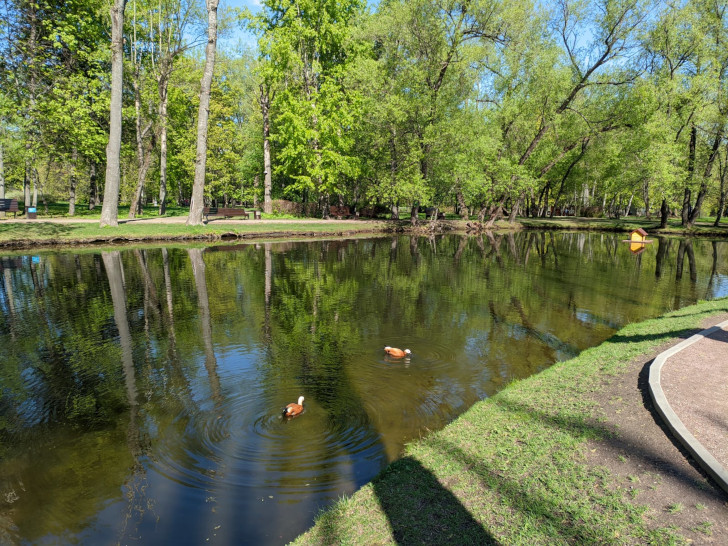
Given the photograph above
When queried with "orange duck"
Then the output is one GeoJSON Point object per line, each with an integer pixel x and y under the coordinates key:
{"type": "Point", "coordinates": [294, 409]}
{"type": "Point", "coordinates": [397, 353]}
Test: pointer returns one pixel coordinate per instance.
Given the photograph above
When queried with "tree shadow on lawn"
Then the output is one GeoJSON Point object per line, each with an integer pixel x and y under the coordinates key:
{"type": "Point", "coordinates": [421, 511]}
{"type": "Point", "coordinates": [635, 447]}
{"type": "Point", "coordinates": [38, 229]}
{"type": "Point", "coordinates": [679, 335]}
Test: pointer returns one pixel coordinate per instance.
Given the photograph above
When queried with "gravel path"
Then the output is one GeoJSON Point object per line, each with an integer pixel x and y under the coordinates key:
{"type": "Point", "coordinates": [695, 382]}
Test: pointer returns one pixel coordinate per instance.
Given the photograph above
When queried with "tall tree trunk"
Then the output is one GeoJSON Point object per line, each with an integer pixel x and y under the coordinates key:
{"type": "Point", "coordinates": [74, 181]}
{"type": "Point", "coordinates": [721, 206]}
{"type": "Point", "coordinates": [31, 141]}
{"type": "Point", "coordinates": [515, 208]}
{"type": "Point", "coordinates": [26, 185]}
{"type": "Point", "coordinates": [721, 199]}
{"type": "Point", "coordinates": [629, 204]}
{"type": "Point", "coordinates": [143, 155]}
{"type": "Point", "coordinates": [691, 170]}
{"type": "Point", "coordinates": [36, 181]}
{"type": "Point", "coordinates": [110, 208]}
{"type": "Point", "coordinates": [265, 99]}
{"type": "Point", "coordinates": [196, 205]}
{"type": "Point", "coordinates": [462, 205]}
{"type": "Point", "coordinates": [695, 213]}
{"type": "Point", "coordinates": [664, 213]}
{"type": "Point", "coordinates": [584, 146]}
{"type": "Point", "coordinates": [162, 86]}
{"type": "Point", "coordinates": [2, 177]}
{"type": "Point", "coordinates": [93, 197]}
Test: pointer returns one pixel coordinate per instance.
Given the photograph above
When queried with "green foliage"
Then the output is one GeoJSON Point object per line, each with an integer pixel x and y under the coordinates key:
{"type": "Point", "coordinates": [580, 104]}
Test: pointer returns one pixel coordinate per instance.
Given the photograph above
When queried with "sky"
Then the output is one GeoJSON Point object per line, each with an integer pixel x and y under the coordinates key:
{"type": "Point", "coordinates": [237, 35]}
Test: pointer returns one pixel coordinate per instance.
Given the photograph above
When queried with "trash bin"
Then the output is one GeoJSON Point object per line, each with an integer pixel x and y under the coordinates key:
{"type": "Point", "coordinates": [32, 214]}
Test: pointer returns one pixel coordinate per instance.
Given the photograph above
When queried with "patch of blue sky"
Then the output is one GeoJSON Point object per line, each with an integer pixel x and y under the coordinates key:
{"type": "Point", "coordinates": [234, 37]}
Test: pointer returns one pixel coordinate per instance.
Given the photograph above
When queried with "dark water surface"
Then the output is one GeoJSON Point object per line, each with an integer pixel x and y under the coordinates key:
{"type": "Point", "coordinates": [141, 389]}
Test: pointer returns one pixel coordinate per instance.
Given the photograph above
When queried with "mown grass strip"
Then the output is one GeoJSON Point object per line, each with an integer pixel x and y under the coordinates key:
{"type": "Point", "coordinates": [512, 469]}
{"type": "Point", "coordinates": [12, 233]}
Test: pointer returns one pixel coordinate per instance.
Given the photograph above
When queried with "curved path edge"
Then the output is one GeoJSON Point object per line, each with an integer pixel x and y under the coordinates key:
{"type": "Point", "coordinates": [704, 458]}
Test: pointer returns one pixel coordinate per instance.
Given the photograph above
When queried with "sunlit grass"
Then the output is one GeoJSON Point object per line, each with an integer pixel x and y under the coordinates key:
{"type": "Point", "coordinates": [702, 226]}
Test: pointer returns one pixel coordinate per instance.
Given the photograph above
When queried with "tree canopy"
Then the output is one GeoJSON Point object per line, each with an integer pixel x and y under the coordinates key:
{"type": "Point", "coordinates": [483, 108]}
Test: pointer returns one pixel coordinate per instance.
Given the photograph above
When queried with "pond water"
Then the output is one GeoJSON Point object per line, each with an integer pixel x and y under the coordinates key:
{"type": "Point", "coordinates": [142, 389]}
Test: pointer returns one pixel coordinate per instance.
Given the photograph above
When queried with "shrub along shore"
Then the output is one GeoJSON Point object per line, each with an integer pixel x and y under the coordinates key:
{"type": "Point", "coordinates": [513, 469]}
{"type": "Point", "coordinates": [20, 233]}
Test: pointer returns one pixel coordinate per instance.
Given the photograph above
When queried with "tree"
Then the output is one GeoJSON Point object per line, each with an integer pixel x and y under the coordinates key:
{"type": "Point", "coordinates": [305, 50]}
{"type": "Point", "coordinates": [195, 216]}
{"type": "Point", "coordinates": [174, 20]}
{"type": "Point", "coordinates": [110, 208]}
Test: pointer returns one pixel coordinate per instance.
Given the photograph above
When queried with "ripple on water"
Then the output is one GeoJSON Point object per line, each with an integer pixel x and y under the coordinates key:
{"type": "Point", "coordinates": [245, 441]}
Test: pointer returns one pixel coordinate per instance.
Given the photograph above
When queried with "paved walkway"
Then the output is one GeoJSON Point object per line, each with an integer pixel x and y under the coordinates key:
{"type": "Point", "coordinates": [689, 385]}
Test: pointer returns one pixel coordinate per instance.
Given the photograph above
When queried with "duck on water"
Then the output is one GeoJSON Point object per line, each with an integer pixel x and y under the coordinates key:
{"type": "Point", "coordinates": [397, 353]}
{"type": "Point", "coordinates": [293, 409]}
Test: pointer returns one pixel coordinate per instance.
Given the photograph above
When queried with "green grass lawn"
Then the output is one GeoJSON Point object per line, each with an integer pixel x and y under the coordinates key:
{"type": "Point", "coordinates": [84, 232]}
{"type": "Point", "coordinates": [512, 469]}
{"type": "Point", "coordinates": [702, 226]}
{"type": "Point", "coordinates": [80, 233]}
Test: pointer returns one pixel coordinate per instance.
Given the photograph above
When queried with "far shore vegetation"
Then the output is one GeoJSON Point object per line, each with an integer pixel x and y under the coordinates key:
{"type": "Point", "coordinates": [513, 469]}
{"type": "Point", "coordinates": [46, 228]}
{"type": "Point", "coordinates": [489, 109]}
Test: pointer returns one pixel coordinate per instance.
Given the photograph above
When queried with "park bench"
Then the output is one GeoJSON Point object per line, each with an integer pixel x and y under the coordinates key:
{"type": "Point", "coordinates": [225, 212]}
{"type": "Point", "coordinates": [9, 205]}
{"type": "Point", "coordinates": [340, 212]}
{"type": "Point", "coordinates": [430, 212]}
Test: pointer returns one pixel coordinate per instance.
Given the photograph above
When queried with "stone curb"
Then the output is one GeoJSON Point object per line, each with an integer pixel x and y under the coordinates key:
{"type": "Point", "coordinates": [698, 451]}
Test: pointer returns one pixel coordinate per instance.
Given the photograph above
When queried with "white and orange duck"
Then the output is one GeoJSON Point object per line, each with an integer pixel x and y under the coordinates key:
{"type": "Point", "coordinates": [293, 409]}
{"type": "Point", "coordinates": [397, 353]}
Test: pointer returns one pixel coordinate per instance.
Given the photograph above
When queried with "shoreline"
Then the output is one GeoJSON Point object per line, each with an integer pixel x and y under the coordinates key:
{"type": "Point", "coordinates": [16, 234]}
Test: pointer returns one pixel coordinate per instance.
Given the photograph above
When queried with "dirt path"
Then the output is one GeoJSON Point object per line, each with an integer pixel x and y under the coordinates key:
{"type": "Point", "coordinates": [652, 467]}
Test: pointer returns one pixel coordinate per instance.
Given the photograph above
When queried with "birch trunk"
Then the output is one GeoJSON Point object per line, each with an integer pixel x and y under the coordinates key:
{"type": "Point", "coordinates": [2, 178]}
{"type": "Point", "coordinates": [163, 84]}
{"type": "Point", "coordinates": [93, 197]}
{"type": "Point", "coordinates": [110, 207]}
{"type": "Point", "coordinates": [196, 205]}
{"type": "Point", "coordinates": [268, 177]}
{"type": "Point", "coordinates": [74, 181]}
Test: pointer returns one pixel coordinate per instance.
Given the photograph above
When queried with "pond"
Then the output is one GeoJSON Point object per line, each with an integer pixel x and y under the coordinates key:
{"type": "Point", "coordinates": [142, 388]}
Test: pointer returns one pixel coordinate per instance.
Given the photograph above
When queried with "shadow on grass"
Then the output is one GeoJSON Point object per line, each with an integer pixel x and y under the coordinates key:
{"type": "Point", "coordinates": [42, 229]}
{"type": "Point", "coordinates": [635, 447]}
{"type": "Point", "coordinates": [561, 520]}
{"type": "Point", "coordinates": [422, 511]}
{"type": "Point", "coordinates": [657, 336]}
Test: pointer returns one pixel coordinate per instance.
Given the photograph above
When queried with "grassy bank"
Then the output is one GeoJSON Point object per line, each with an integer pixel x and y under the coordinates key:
{"type": "Point", "coordinates": [23, 234]}
{"type": "Point", "coordinates": [704, 226]}
{"type": "Point", "coordinates": [76, 231]}
{"type": "Point", "coordinates": [513, 469]}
